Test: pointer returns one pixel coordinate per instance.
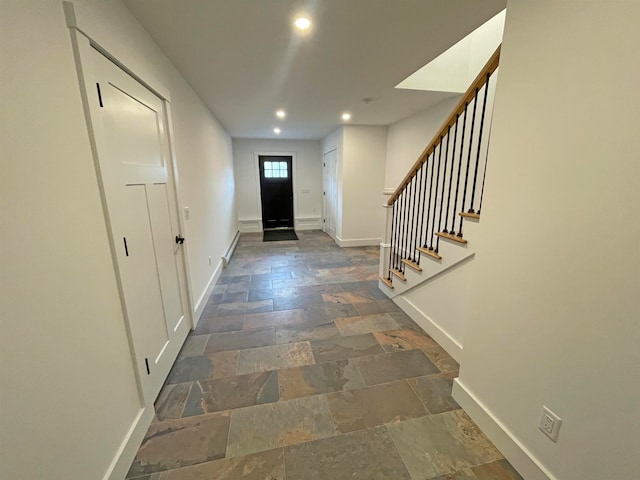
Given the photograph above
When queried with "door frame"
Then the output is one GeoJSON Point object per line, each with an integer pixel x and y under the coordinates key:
{"type": "Point", "coordinates": [83, 46]}
{"type": "Point", "coordinates": [324, 196]}
{"type": "Point", "coordinates": [256, 162]}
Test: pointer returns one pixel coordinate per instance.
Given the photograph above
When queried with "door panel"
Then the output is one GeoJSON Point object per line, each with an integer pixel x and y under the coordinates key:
{"type": "Point", "coordinates": [276, 191]}
{"type": "Point", "coordinates": [330, 191]}
{"type": "Point", "coordinates": [137, 186]}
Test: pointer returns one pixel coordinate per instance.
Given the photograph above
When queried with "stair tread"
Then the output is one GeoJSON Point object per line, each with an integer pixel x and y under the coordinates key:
{"type": "Point", "coordinates": [387, 282]}
{"type": "Point", "coordinates": [412, 264]}
{"type": "Point", "coordinates": [398, 274]}
{"type": "Point", "coordinates": [448, 236]}
{"type": "Point", "coordinates": [475, 216]}
{"type": "Point", "coordinates": [430, 253]}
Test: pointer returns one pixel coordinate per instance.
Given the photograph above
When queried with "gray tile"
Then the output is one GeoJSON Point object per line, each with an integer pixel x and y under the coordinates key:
{"type": "Point", "coordinates": [342, 348]}
{"type": "Point", "coordinates": [272, 319]}
{"type": "Point", "coordinates": [275, 357]}
{"type": "Point", "coordinates": [234, 279]}
{"type": "Point", "coordinates": [194, 345]}
{"type": "Point", "coordinates": [435, 392]}
{"type": "Point", "coordinates": [500, 470]}
{"type": "Point", "coordinates": [208, 396]}
{"type": "Point", "coordinates": [171, 401]}
{"type": "Point", "coordinates": [365, 455]}
{"type": "Point", "coordinates": [297, 301]}
{"type": "Point", "coordinates": [366, 324]}
{"type": "Point", "coordinates": [368, 407]}
{"type": "Point", "coordinates": [299, 333]}
{"type": "Point", "coordinates": [267, 465]}
{"type": "Point", "coordinates": [394, 366]}
{"type": "Point", "coordinates": [240, 308]}
{"type": "Point", "coordinates": [178, 443]}
{"type": "Point", "coordinates": [322, 378]}
{"type": "Point", "coordinates": [220, 342]}
{"type": "Point", "coordinates": [201, 367]}
{"type": "Point", "coordinates": [441, 444]}
{"type": "Point", "coordinates": [219, 324]}
{"type": "Point", "coordinates": [441, 359]}
{"type": "Point", "coordinates": [278, 424]}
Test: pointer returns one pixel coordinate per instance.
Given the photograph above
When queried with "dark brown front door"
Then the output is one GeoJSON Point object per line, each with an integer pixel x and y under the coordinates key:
{"type": "Point", "coordinates": [276, 191]}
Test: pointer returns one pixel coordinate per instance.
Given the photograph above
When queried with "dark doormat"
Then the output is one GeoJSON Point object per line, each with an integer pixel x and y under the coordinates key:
{"type": "Point", "coordinates": [279, 235]}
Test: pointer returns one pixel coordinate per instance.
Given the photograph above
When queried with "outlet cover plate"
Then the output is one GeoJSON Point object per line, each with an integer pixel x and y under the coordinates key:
{"type": "Point", "coordinates": [550, 424]}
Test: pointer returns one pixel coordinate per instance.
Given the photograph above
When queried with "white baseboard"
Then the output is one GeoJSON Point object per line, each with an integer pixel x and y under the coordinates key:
{"type": "Point", "coordinates": [527, 465]}
{"type": "Point", "coordinates": [204, 296]}
{"type": "Point", "coordinates": [130, 445]}
{"type": "Point", "coordinates": [250, 225]}
{"type": "Point", "coordinates": [308, 223]}
{"type": "Point", "coordinates": [446, 341]}
{"type": "Point", "coordinates": [357, 242]}
{"type": "Point", "coordinates": [227, 256]}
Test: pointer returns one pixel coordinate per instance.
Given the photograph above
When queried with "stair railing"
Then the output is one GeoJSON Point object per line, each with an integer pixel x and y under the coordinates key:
{"type": "Point", "coordinates": [424, 207]}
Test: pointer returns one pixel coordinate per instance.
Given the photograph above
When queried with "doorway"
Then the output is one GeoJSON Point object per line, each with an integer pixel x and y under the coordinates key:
{"type": "Point", "coordinates": [276, 191]}
{"type": "Point", "coordinates": [330, 197]}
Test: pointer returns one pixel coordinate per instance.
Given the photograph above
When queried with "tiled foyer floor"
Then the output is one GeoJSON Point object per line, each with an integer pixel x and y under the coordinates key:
{"type": "Point", "coordinates": [301, 369]}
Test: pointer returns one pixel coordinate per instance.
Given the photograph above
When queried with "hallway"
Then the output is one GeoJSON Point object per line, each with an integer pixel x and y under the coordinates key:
{"type": "Point", "coordinates": [300, 368]}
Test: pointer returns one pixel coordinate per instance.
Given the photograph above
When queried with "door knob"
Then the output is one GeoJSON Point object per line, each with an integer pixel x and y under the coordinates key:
{"type": "Point", "coordinates": [179, 240]}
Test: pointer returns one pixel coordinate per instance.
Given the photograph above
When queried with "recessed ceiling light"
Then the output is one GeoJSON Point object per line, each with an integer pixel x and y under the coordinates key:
{"type": "Point", "coordinates": [277, 131]}
{"type": "Point", "coordinates": [281, 114]}
{"type": "Point", "coordinates": [346, 116]}
{"type": "Point", "coordinates": [302, 23]}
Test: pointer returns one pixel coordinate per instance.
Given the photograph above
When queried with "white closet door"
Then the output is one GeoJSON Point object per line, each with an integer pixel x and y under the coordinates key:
{"type": "Point", "coordinates": [138, 189]}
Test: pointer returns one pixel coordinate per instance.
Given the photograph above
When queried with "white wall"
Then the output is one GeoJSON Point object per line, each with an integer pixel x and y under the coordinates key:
{"type": "Point", "coordinates": [364, 155]}
{"type": "Point", "coordinates": [555, 305]}
{"type": "Point", "coordinates": [68, 391]}
{"type": "Point", "coordinates": [307, 181]}
{"type": "Point", "coordinates": [408, 138]}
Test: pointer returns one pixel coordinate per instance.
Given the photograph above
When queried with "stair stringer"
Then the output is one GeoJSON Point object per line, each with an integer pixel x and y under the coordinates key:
{"type": "Point", "coordinates": [446, 283]}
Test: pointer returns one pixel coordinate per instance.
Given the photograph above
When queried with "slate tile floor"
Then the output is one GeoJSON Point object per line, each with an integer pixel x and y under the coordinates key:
{"type": "Point", "coordinates": [301, 369]}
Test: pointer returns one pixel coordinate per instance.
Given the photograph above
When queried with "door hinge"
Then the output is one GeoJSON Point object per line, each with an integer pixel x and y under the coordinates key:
{"type": "Point", "coordinates": [99, 95]}
{"type": "Point", "coordinates": [146, 362]}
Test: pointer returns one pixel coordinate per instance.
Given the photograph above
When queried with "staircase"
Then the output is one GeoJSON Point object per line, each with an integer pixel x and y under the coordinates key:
{"type": "Point", "coordinates": [433, 216]}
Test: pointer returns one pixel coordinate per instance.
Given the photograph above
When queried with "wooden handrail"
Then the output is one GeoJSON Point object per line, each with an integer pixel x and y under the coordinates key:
{"type": "Point", "coordinates": [478, 83]}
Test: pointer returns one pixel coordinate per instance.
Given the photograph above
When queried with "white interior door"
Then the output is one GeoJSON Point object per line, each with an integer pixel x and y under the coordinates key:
{"type": "Point", "coordinates": [134, 158]}
{"type": "Point", "coordinates": [330, 192]}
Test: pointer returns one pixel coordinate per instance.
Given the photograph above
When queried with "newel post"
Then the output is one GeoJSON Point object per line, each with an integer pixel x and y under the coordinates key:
{"type": "Point", "coordinates": [385, 246]}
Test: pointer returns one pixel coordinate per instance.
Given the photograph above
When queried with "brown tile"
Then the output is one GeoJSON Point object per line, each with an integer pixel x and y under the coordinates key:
{"type": "Point", "coordinates": [500, 470]}
{"type": "Point", "coordinates": [208, 396]}
{"type": "Point", "coordinates": [219, 324]}
{"type": "Point", "coordinates": [243, 308]}
{"type": "Point", "coordinates": [201, 367]}
{"type": "Point", "coordinates": [342, 348]}
{"type": "Point", "coordinates": [364, 455]}
{"type": "Point", "coordinates": [178, 443]}
{"type": "Point", "coordinates": [275, 357]}
{"type": "Point", "coordinates": [221, 342]}
{"type": "Point", "coordinates": [435, 392]}
{"type": "Point", "coordinates": [322, 378]}
{"type": "Point", "coordinates": [366, 324]}
{"type": "Point", "coordinates": [367, 407]}
{"type": "Point", "coordinates": [267, 465]}
{"type": "Point", "coordinates": [388, 367]}
{"type": "Point", "coordinates": [272, 319]}
{"type": "Point", "coordinates": [441, 358]}
{"type": "Point", "coordinates": [403, 339]}
{"type": "Point", "coordinates": [362, 296]}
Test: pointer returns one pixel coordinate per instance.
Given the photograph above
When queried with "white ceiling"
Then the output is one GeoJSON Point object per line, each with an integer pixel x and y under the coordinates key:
{"type": "Point", "coordinates": [244, 59]}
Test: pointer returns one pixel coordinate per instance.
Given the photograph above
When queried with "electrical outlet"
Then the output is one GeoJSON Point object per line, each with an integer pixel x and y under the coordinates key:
{"type": "Point", "coordinates": [186, 213]}
{"type": "Point", "coordinates": [550, 424]}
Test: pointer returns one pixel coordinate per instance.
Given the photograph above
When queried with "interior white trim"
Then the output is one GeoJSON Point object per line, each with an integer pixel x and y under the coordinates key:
{"type": "Point", "coordinates": [446, 341]}
{"type": "Point", "coordinates": [357, 242]}
{"type": "Point", "coordinates": [308, 223]}
{"type": "Point", "coordinates": [523, 460]}
{"type": "Point", "coordinates": [204, 296]}
{"type": "Point", "coordinates": [294, 180]}
{"type": "Point", "coordinates": [250, 225]}
{"type": "Point", "coordinates": [388, 191]}
{"type": "Point", "coordinates": [129, 446]}
{"type": "Point", "coordinates": [232, 248]}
